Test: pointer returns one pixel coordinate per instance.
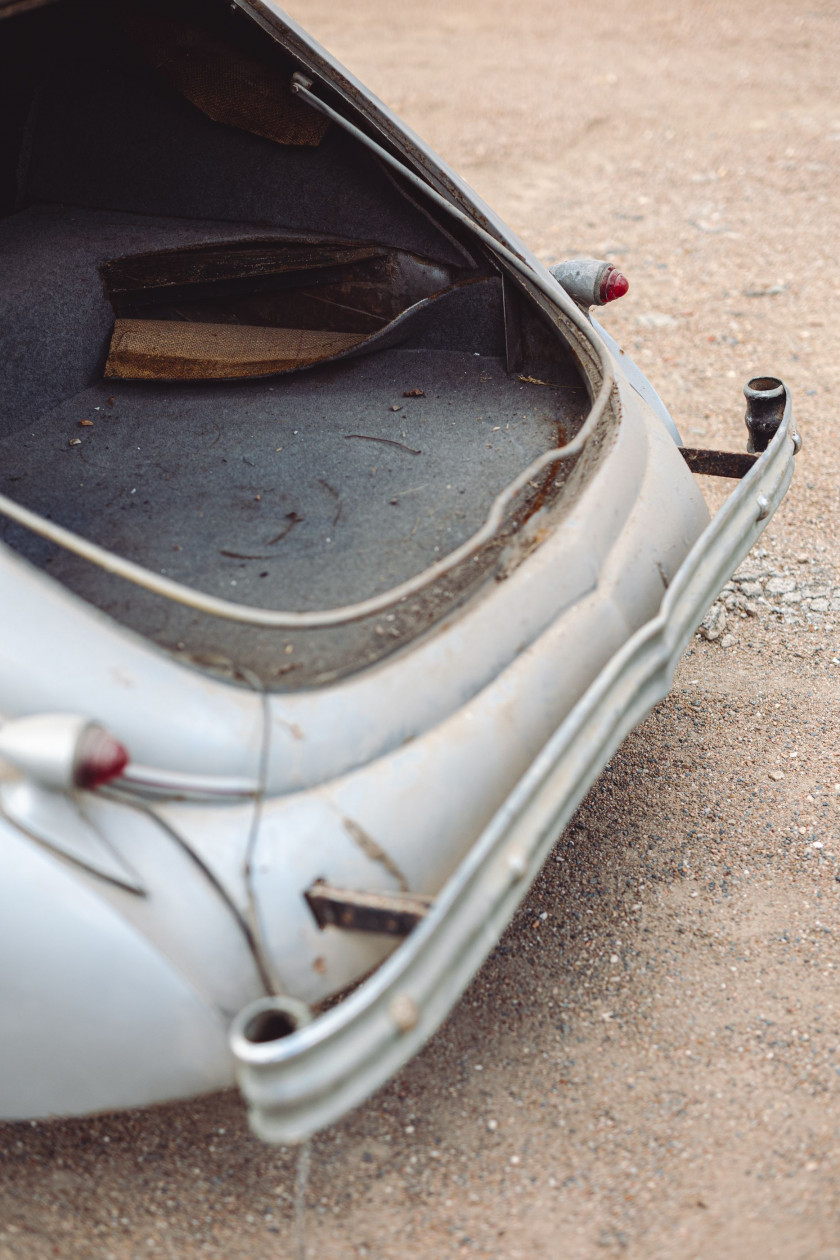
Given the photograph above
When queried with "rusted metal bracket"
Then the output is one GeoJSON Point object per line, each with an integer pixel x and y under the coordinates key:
{"type": "Point", "coordinates": [766, 400]}
{"type": "Point", "coordinates": [717, 463]}
{"type": "Point", "coordinates": [395, 914]}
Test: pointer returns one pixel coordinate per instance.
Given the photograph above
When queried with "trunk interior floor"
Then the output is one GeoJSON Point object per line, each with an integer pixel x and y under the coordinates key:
{"type": "Point", "coordinates": [301, 492]}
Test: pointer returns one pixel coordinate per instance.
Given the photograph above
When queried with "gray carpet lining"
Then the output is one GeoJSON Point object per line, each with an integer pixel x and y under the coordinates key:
{"type": "Point", "coordinates": [313, 491]}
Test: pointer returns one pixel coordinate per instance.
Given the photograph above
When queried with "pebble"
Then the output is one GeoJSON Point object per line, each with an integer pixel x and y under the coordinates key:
{"type": "Point", "coordinates": [714, 623]}
{"type": "Point", "coordinates": [781, 586]}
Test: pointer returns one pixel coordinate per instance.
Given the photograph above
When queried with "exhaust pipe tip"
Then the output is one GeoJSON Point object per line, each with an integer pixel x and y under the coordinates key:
{"type": "Point", "coordinates": [258, 1027]}
{"type": "Point", "coordinates": [258, 1035]}
{"type": "Point", "coordinates": [765, 397]}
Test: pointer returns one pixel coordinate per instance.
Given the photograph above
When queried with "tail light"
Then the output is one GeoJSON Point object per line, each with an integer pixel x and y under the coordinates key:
{"type": "Point", "coordinates": [590, 281]}
{"type": "Point", "coordinates": [62, 750]}
{"type": "Point", "coordinates": [99, 758]}
{"type": "Point", "coordinates": [613, 285]}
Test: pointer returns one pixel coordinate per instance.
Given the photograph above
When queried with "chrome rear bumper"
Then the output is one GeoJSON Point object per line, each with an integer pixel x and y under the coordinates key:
{"type": "Point", "coordinates": [300, 1082]}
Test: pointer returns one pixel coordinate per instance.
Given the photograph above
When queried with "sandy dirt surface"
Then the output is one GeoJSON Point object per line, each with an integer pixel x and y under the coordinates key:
{"type": "Point", "coordinates": [649, 1063]}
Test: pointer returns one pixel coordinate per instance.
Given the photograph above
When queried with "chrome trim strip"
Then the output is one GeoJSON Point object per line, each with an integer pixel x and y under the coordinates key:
{"type": "Point", "coordinates": [152, 781]}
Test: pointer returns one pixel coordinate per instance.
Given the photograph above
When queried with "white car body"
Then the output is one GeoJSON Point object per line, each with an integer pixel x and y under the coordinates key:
{"type": "Point", "coordinates": [148, 924]}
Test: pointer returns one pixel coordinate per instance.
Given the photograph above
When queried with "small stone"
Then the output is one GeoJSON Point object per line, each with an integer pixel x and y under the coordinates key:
{"type": "Point", "coordinates": [492, 1125]}
{"type": "Point", "coordinates": [396, 407]}
{"type": "Point", "coordinates": [776, 775]}
{"type": "Point", "coordinates": [714, 623]}
{"type": "Point", "coordinates": [781, 585]}
{"type": "Point", "coordinates": [75, 441]}
{"type": "Point", "coordinates": [802, 559]}
{"type": "Point", "coordinates": [727, 640]}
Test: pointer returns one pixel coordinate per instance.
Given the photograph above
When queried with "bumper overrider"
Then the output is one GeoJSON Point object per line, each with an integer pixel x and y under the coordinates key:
{"type": "Point", "coordinates": [300, 1074]}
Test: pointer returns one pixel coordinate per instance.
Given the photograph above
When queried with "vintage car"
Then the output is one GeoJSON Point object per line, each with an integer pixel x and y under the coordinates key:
{"type": "Point", "coordinates": [339, 550]}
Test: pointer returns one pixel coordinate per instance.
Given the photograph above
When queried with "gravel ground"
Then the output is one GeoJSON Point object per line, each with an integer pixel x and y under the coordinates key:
{"type": "Point", "coordinates": [648, 1064]}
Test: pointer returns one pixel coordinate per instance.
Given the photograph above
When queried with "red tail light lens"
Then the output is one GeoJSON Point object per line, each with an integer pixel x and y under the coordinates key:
{"type": "Point", "coordinates": [613, 285]}
{"type": "Point", "coordinates": [99, 758]}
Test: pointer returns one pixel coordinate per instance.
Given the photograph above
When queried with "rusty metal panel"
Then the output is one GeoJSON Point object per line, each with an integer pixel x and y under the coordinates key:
{"type": "Point", "coordinates": [717, 463]}
{"type": "Point", "coordinates": [392, 913]}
